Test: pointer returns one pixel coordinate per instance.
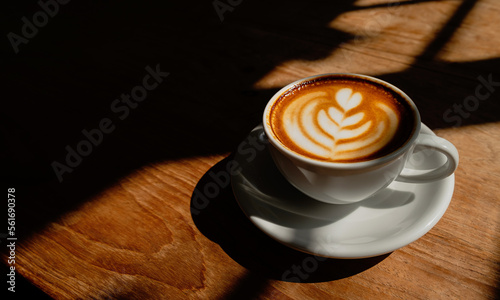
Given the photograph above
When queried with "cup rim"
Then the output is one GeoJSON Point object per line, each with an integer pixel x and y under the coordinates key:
{"type": "Point", "coordinates": [342, 165]}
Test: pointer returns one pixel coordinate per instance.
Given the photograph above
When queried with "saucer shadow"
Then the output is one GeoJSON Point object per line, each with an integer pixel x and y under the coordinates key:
{"type": "Point", "coordinates": [218, 216]}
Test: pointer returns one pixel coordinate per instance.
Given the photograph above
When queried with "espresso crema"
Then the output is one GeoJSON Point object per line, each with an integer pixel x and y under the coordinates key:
{"type": "Point", "coordinates": [341, 119]}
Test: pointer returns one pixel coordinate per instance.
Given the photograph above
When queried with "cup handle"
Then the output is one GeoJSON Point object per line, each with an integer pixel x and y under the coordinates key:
{"type": "Point", "coordinates": [428, 143]}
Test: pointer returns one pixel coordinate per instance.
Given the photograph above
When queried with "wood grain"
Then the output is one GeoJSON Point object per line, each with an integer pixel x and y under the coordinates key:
{"type": "Point", "coordinates": [125, 223]}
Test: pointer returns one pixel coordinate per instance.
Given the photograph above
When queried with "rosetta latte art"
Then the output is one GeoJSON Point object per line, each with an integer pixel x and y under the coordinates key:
{"type": "Point", "coordinates": [339, 129]}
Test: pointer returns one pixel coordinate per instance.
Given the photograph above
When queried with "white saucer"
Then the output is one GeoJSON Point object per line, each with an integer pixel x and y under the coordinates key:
{"type": "Point", "coordinates": [392, 219]}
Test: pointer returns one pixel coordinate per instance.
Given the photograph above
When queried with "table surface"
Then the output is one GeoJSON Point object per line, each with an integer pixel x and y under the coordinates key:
{"type": "Point", "coordinates": [155, 97]}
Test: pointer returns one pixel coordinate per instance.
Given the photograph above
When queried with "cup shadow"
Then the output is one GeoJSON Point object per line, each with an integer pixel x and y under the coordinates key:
{"type": "Point", "coordinates": [220, 219]}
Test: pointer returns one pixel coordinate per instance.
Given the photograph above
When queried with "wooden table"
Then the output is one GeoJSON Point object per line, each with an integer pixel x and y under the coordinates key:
{"type": "Point", "coordinates": [117, 221]}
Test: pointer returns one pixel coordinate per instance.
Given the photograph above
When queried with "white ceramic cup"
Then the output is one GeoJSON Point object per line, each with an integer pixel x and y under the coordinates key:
{"type": "Point", "coordinates": [343, 183]}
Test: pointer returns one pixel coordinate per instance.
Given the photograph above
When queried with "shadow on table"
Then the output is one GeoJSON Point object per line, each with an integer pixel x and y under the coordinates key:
{"type": "Point", "coordinates": [221, 219]}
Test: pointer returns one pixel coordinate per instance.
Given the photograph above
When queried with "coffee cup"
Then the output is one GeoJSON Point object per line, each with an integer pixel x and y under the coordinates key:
{"type": "Point", "coordinates": [340, 138]}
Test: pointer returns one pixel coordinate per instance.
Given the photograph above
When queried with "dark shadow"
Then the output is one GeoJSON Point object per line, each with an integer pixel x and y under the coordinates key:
{"type": "Point", "coordinates": [221, 220]}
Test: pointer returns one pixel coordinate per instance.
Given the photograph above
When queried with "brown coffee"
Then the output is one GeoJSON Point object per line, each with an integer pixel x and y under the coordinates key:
{"type": "Point", "coordinates": [341, 118]}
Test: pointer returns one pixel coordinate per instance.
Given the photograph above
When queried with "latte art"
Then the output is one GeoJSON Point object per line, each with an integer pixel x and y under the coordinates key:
{"type": "Point", "coordinates": [338, 122]}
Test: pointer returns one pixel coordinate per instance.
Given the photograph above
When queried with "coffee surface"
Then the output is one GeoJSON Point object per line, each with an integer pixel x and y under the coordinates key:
{"type": "Point", "coordinates": [341, 119]}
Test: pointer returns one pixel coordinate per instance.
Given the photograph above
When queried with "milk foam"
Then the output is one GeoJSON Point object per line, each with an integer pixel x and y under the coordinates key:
{"type": "Point", "coordinates": [339, 126]}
